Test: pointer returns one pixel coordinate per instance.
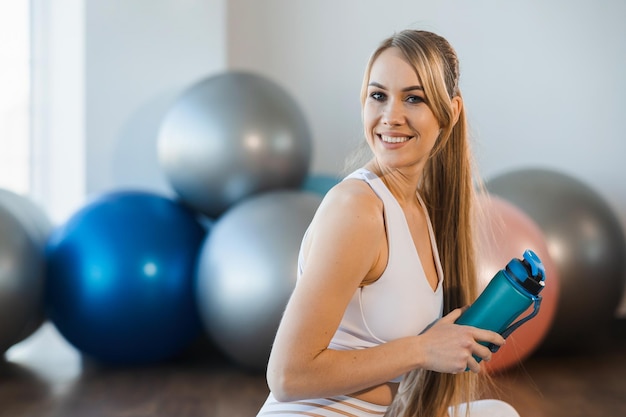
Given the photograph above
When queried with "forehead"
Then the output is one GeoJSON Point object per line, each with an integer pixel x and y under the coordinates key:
{"type": "Point", "coordinates": [391, 66]}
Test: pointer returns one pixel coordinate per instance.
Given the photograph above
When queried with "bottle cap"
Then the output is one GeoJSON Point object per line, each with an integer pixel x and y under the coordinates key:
{"type": "Point", "coordinates": [528, 272]}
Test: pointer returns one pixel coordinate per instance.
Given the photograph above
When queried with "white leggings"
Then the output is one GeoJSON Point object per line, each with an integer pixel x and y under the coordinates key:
{"type": "Point", "coordinates": [344, 406]}
{"type": "Point", "coordinates": [340, 406]}
{"type": "Point", "coordinates": [487, 408]}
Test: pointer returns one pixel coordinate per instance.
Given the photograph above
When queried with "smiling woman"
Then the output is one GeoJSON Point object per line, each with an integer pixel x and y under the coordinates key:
{"type": "Point", "coordinates": [387, 263]}
{"type": "Point", "coordinates": [15, 97]}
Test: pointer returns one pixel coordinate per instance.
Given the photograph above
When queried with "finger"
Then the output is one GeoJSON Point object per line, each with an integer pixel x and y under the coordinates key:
{"type": "Point", "coordinates": [473, 365]}
{"type": "Point", "coordinates": [482, 352]}
{"type": "Point", "coordinates": [488, 336]}
{"type": "Point", "coordinates": [452, 316]}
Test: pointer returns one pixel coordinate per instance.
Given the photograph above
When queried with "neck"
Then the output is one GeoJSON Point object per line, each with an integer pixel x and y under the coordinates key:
{"type": "Point", "coordinates": [402, 182]}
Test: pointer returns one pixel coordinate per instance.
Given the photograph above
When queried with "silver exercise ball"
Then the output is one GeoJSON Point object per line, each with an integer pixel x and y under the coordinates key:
{"type": "Point", "coordinates": [24, 229]}
{"type": "Point", "coordinates": [585, 241]}
{"type": "Point", "coordinates": [247, 270]}
{"type": "Point", "coordinates": [230, 136]}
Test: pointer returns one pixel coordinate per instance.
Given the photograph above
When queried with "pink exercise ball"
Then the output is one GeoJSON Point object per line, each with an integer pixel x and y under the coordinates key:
{"type": "Point", "coordinates": [505, 232]}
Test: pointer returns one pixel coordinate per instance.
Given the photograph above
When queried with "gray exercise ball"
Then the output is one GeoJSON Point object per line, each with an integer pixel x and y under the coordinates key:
{"type": "Point", "coordinates": [24, 229]}
{"type": "Point", "coordinates": [247, 270]}
{"type": "Point", "coordinates": [586, 242]}
{"type": "Point", "coordinates": [230, 136]}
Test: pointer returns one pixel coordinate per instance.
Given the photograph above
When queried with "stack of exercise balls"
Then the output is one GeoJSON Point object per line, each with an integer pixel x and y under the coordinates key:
{"type": "Point", "coordinates": [237, 148]}
{"type": "Point", "coordinates": [581, 244]}
{"type": "Point", "coordinates": [586, 243]}
{"type": "Point", "coordinates": [135, 277]}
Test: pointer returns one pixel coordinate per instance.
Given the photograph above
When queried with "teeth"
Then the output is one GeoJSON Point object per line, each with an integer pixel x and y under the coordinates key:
{"type": "Point", "coordinates": [391, 139]}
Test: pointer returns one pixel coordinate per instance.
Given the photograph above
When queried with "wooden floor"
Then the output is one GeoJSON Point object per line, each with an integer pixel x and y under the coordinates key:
{"type": "Point", "coordinates": [44, 377]}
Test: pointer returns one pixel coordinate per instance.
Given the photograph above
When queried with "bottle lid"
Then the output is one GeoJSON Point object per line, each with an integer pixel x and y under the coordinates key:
{"type": "Point", "coordinates": [528, 272]}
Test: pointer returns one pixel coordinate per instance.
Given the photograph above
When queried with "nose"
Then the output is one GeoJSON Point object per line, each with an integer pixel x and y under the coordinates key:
{"type": "Point", "coordinates": [393, 113]}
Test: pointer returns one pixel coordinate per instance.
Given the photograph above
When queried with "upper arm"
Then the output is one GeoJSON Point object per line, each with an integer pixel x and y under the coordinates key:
{"type": "Point", "coordinates": [342, 248]}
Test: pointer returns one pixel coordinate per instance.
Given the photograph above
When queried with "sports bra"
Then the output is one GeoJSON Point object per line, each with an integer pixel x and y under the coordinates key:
{"type": "Point", "coordinates": [401, 302]}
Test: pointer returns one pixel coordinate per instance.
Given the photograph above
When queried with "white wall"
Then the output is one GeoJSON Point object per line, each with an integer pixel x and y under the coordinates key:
{"type": "Point", "coordinates": [139, 56]}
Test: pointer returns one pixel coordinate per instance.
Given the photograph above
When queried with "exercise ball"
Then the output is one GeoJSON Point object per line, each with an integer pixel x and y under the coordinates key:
{"type": "Point", "coordinates": [587, 245]}
{"type": "Point", "coordinates": [24, 228]}
{"type": "Point", "coordinates": [34, 219]}
{"type": "Point", "coordinates": [247, 271]}
{"type": "Point", "coordinates": [319, 183]}
{"type": "Point", "coordinates": [120, 278]}
{"type": "Point", "coordinates": [230, 136]}
{"type": "Point", "coordinates": [504, 232]}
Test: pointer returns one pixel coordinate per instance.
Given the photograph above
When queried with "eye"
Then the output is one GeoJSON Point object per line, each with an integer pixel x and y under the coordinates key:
{"type": "Point", "coordinates": [415, 99]}
{"type": "Point", "coordinates": [378, 96]}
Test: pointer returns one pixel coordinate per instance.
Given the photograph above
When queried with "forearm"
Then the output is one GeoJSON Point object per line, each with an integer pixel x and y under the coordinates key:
{"type": "Point", "coordinates": [445, 347]}
{"type": "Point", "coordinates": [334, 372]}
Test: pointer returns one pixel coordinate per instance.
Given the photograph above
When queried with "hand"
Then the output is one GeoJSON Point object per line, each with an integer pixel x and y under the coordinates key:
{"type": "Point", "coordinates": [450, 348]}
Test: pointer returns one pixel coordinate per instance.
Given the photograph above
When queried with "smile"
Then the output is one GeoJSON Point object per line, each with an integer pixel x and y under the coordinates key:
{"type": "Point", "coordinates": [394, 139]}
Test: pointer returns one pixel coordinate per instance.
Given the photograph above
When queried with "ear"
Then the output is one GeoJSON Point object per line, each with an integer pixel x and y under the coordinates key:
{"type": "Point", "coordinates": [457, 106]}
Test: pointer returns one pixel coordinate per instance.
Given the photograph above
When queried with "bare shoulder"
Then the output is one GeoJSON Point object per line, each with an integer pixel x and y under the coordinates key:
{"type": "Point", "coordinates": [351, 207]}
{"type": "Point", "coordinates": [354, 197]}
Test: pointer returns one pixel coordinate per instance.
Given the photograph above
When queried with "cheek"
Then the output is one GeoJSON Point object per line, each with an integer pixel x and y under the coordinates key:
{"type": "Point", "coordinates": [429, 123]}
{"type": "Point", "coordinates": [369, 119]}
{"type": "Point", "coordinates": [368, 113]}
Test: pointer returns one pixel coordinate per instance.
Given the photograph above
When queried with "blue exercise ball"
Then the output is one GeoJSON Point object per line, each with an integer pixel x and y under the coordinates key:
{"type": "Point", "coordinates": [24, 229]}
{"type": "Point", "coordinates": [120, 278]}
{"type": "Point", "coordinates": [247, 270]}
{"type": "Point", "coordinates": [586, 242]}
{"type": "Point", "coordinates": [232, 135]}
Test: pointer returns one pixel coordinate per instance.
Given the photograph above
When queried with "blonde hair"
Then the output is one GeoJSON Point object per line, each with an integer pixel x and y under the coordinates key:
{"type": "Point", "coordinates": [448, 190]}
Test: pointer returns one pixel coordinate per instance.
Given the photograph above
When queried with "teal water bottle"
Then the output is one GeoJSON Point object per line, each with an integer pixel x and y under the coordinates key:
{"type": "Point", "coordinates": [509, 293]}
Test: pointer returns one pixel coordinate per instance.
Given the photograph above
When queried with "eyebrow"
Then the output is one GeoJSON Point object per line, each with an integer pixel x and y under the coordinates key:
{"type": "Point", "coordinates": [410, 88]}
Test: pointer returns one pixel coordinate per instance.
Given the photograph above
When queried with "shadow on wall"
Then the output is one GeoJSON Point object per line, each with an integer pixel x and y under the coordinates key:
{"type": "Point", "coordinates": [135, 162]}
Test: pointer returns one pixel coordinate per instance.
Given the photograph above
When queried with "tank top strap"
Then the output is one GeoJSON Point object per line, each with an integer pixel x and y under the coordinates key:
{"type": "Point", "coordinates": [377, 185]}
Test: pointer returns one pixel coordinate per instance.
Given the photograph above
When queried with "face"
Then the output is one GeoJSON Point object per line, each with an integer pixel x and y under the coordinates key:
{"type": "Point", "coordinates": [399, 126]}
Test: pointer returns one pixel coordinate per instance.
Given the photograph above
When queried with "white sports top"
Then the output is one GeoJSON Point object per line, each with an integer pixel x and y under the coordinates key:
{"type": "Point", "coordinates": [401, 302]}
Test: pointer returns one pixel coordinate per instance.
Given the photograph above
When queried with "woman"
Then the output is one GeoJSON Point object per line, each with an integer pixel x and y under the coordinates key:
{"type": "Point", "coordinates": [387, 254]}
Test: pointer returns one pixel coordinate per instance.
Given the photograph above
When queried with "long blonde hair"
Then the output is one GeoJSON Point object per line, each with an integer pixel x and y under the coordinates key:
{"type": "Point", "coordinates": [448, 190]}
